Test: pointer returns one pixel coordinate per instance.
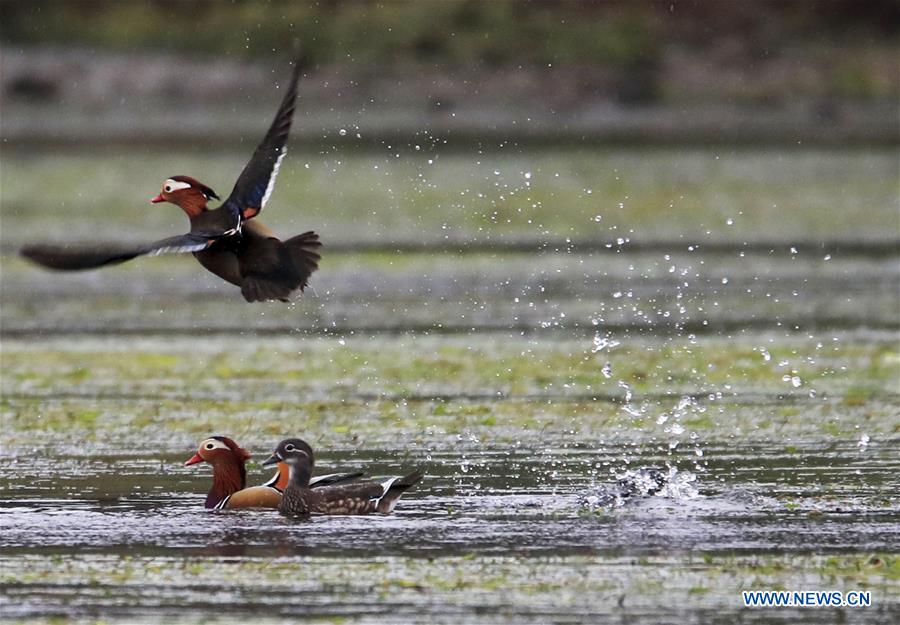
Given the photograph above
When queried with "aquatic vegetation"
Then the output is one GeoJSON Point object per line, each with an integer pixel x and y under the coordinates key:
{"type": "Point", "coordinates": [761, 384]}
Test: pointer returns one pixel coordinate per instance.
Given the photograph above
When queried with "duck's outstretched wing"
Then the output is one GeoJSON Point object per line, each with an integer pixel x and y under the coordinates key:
{"type": "Point", "coordinates": [62, 258]}
{"type": "Point", "coordinates": [255, 184]}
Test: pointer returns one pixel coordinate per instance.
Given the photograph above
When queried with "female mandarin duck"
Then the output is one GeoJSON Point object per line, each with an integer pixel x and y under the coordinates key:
{"type": "Point", "coordinates": [224, 240]}
{"type": "Point", "coordinates": [230, 476]}
{"type": "Point", "coordinates": [301, 498]}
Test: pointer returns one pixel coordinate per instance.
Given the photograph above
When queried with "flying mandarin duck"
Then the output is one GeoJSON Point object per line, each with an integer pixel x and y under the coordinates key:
{"type": "Point", "coordinates": [224, 239]}
{"type": "Point", "coordinates": [303, 497]}
{"type": "Point", "coordinates": [229, 489]}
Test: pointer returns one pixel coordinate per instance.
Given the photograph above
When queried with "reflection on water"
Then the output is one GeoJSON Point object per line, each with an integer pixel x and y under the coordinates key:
{"type": "Point", "coordinates": [93, 517]}
{"type": "Point", "coordinates": [534, 503]}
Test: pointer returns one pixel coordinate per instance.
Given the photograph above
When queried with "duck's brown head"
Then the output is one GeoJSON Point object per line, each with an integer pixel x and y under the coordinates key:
{"type": "Point", "coordinates": [229, 472]}
{"type": "Point", "coordinates": [187, 193]}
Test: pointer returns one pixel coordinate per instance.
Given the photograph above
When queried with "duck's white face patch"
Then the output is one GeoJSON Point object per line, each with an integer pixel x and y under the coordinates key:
{"type": "Point", "coordinates": [212, 443]}
{"type": "Point", "coordinates": [174, 185]}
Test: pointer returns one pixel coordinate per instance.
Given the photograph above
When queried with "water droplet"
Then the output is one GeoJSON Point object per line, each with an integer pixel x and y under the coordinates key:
{"type": "Point", "coordinates": [795, 380]}
{"type": "Point", "coordinates": [603, 342]}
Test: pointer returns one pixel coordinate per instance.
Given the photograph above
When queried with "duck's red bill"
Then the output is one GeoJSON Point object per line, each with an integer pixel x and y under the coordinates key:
{"type": "Point", "coordinates": [156, 200]}
{"type": "Point", "coordinates": [194, 460]}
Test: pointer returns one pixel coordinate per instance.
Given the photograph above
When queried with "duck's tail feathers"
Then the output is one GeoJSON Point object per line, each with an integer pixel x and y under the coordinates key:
{"type": "Point", "coordinates": [261, 289]}
{"type": "Point", "coordinates": [394, 488]}
{"type": "Point", "coordinates": [303, 250]}
{"type": "Point", "coordinates": [298, 259]}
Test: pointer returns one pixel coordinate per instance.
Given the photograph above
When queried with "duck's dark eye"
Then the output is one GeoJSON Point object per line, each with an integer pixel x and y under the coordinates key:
{"type": "Point", "coordinates": [289, 447]}
{"type": "Point", "coordinates": [210, 446]}
{"type": "Point", "coordinates": [168, 189]}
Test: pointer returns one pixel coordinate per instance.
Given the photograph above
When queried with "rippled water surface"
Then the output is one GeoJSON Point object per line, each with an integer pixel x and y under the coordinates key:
{"type": "Point", "coordinates": [103, 526]}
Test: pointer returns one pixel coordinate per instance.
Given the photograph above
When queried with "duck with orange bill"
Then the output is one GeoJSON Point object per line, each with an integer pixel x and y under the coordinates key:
{"type": "Point", "coordinates": [227, 240]}
{"type": "Point", "coordinates": [229, 489]}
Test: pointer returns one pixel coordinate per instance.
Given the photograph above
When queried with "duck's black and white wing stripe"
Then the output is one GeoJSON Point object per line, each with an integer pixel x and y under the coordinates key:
{"type": "Point", "coordinates": [331, 479]}
{"type": "Point", "coordinates": [64, 258]}
{"type": "Point", "coordinates": [221, 505]}
{"type": "Point", "coordinates": [255, 184]}
{"type": "Point", "coordinates": [182, 244]}
{"type": "Point", "coordinates": [385, 488]}
{"type": "Point", "coordinates": [273, 481]}
{"type": "Point", "coordinates": [392, 489]}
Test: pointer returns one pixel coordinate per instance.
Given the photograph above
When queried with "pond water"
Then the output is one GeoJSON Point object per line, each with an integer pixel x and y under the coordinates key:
{"type": "Point", "coordinates": [112, 525]}
{"type": "Point", "coordinates": [743, 342]}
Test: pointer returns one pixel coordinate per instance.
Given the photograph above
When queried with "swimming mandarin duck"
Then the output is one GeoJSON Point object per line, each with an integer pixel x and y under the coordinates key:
{"type": "Point", "coordinates": [224, 239]}
{"type": "Point", "coordinates": [301, 498]}
{"type": "Point", "coordinates": [230, 476]}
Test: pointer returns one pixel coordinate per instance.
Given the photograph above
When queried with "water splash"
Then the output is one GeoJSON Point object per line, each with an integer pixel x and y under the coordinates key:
{"type": "Point", "coordinates": [635, 484]}
{"type": "Point", "coordinates": [863, 443]}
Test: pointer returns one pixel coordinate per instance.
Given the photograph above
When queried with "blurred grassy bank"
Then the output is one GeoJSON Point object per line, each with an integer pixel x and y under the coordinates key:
{"type": "Point", "coordinates": [471, 72]}
{"type": "Point", "coordinates": [558, 197]}
{"type": "Point", "coordinates": [633, 41]}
